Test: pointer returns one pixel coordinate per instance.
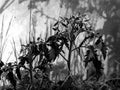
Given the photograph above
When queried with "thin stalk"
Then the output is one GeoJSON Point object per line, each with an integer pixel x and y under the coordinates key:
{"type": "Point", "coordinates": [69, 56]}
{"type": "Point", "coordinates": [30, 22]}
{"type": "Point", "coordinates": [1, 37]}
{"type": "Point", "coordinates": [14, 49]}
{"type": "Point", "coordinates": [6, 37]}
{"type": "Point", "coordinates": [31, 74]}
{"type": "Point", "coordinates": [50, 29]}
{"type": "Point", "coordinates": [9, 27]}
{"type": "Point", "coordinates": [30, 57]}
{"type": "Point", "coordinates": [47, 31]}
{"type": "Point", "coordinates": [81, 44]}
{"type": "Point", "coordinates": [63, 57]}
{"type": "Point", "coordinates": [9, 57]}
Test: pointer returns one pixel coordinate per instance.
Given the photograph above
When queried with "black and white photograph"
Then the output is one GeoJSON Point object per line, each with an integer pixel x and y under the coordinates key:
{"type": "Point", "coordinates": [59, 44]}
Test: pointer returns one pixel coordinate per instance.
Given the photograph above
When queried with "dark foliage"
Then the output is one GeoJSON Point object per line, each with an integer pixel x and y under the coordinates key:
{"type": "Point", "coordinates": [18, 73]}
{"type": "Point", "coordinates": [1, 64]}
{"type": "Point", "coordinates": [23, 60]}
{"type": "Point", "coordinates": [11, 78]}
{"type": "Point", "coordinates": [9, 89]}
{"type": "Point", "coordinates": [104, 50]}
{"type": "Point", "coordinates": [0, 73]}
{"type": "Point", "coordinates": [114, 84]}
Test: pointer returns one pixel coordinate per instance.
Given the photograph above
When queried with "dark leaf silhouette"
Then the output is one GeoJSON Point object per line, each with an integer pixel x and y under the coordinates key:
{"type": "Point", "coordinates": [64, 24]}
{"type": "Point", "coordinates": [98, 67]}
{"type": "Point", "coordinates": [10, 77]}
{"type": "Point", "coordinates": [92, 56]}
{"type": "Point", "coordinates": [42, 66]}
{"type": "Point", "coordinates": [89, 57]}
{"type": "Point", "coordinates": [65, 41]}
{"type": "Point", "coordinates": [9, 89]}
{"type": "Point", "coordinates": [53, 53]}
{"type": "Point", "coordinates": [92, 35]}
{"type": "Point", "coordinates": [99, 40]}
{"type": "Point", "coordinates": [101, 45]}
{"type": "Point", "coordinates": [55, 29]}
{"type": "Point", "coordinates": [1, 64]}
{"type": "Point", "coordinates": [35, 50]}
{"type": "Point", "coordinates": [1, 72]}
{"type": "Point", "coordinates": [104, 50]}
{"type": "Point", "coordinates": [51, 39]}
{"type": "Point", "coordinates": [56, 23]}
{"type": "Point", "coordinates": [9, 64]}
{"type": "Point", "coordinates": [23, 60]}
{"type": "Point", "coordinates": [18, 73]}
{"type": "Point", "coordinates": [42, 47]}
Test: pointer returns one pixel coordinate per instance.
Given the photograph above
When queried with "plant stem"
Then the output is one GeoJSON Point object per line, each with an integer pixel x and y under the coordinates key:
{"type": "Point", "coordinates": [69, 56]}
{"type": "Point", "coordinates": [31, 72]}
{"type": "Point", "coordinates": [81, 44]}
{"type": "Point", "coordinates": [63, 57]}
{"type": "Point", "coordinates": [31, 76]}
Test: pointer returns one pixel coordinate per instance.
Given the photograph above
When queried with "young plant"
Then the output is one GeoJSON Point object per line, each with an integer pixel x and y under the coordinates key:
{"type": "Point", "coordinates": [67, 30]}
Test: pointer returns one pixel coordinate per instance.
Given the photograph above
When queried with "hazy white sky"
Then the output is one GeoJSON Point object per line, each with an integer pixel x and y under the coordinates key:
{"type": "Point", "coordinates": [20, 21]}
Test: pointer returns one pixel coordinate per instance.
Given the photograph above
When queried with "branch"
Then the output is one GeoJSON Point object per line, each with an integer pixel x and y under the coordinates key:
{"type": "Point", "coordinates": [79, 47]}
{"type": "Point", "coordinates": [3, 46]}
{"type": "Point", "coordinates": [14, 49]}
{"type": "Point", "coordinates": [81, 44]}
{"type": "Point", "coordinates": [5, 5]}
{"type": "Point", "coordinates": [63, 57]}
{"type": "Point", "coordinates": [78, 50]}
{"type": "Point", "coordinates": [9, 57]}
{"type": "Point", "coordinates": [47, 16]}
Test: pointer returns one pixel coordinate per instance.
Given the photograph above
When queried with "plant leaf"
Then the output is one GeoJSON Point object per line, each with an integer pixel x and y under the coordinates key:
{"type": "Point", "coordinates": [56, 23]}
{"type": "Point", "coordinates": [22, 60]}
{"type": "Point", "coordinates": [98, 40]}
{"type": "Point", "coordinates": [10, 77]}
{"type": "Point", "coordinates": [51, 38]}
{"type": "Point", "coordinates": [1, 64]}
{"type": "Point", "coordinates": [18, 73]}
{"type": "Point", "coordinates": [89, 57]}
{"type": "Point", "coordinates": [104, 50]}
{"type": "Point", "coordinates": [55, 28]}
{"type": "Point", "coordinates": [0, 73]}
{"type": "Point", "coordinates": [64, 25]}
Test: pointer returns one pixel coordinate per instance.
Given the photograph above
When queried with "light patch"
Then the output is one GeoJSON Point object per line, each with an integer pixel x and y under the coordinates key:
{"type": "Point", "coordinates": [100, 23]}
{"type": "Point", "coordinates": [20, 22]}
{"type": "Point", "coordinates": [104, 14]}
